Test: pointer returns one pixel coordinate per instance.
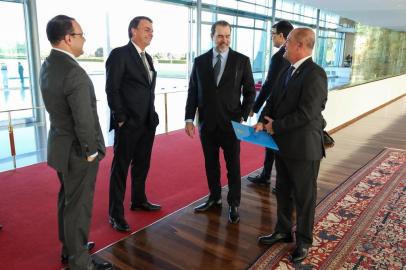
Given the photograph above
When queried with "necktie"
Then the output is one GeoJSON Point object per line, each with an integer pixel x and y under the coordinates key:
{"type": "Point", "coordinates": [144, 60]}
{"type": "Point", "coordinates": [289, 75]}
{"type": "Point", "coordinates": [216, 68]}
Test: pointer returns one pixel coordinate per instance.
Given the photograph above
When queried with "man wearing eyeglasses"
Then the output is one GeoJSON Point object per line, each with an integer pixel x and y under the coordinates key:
{"type": "Point", "coordinates": [130, 88]}
{"type": "Point", "coordinates": [280, 32]}
{"type": "Point", "coordinates": [75, 140]}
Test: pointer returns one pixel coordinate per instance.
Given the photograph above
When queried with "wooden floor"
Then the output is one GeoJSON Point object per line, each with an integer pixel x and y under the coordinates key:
{"type": "Point", "coordinates": [185, 240]}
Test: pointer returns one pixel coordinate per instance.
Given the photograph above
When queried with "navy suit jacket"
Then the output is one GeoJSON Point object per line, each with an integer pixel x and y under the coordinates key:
{"type": "Point", "coordinates": [296, 111]}
{"type": "Point", "coordinates": [278, 63]}
{"type": "Point", "coordinates": [219, 104]}
{"type": "Point", "coordinates": [130, 94]}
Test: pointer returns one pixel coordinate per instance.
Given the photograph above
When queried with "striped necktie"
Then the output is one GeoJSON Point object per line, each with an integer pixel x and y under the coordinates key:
{"type": "Point", "coordinates": [216, 68]}
{"type": "Point", "coordinates": [144, 60]}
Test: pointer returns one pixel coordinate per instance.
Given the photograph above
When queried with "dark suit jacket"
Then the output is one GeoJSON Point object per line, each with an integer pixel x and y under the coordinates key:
{"type": "Point", "coordinates": [277, 64]}
{"type": "Point", "coordinates": [130, 94]}
{"type": "Point", "coordinates": [296, 110]}
{"type": "Point", "coordinates": [218, 105]}
{"type": "Point", "coordinates": [70, 100]}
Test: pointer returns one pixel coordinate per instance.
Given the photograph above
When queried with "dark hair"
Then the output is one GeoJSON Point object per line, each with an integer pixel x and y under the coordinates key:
{"type": "Point", "coordinates": [222, 23]}
{"type": "Point", "coordinates": [283, 27]}
{"type": "Point", "coordinates": [58, 27]}
{"type": "Point", "coordinates": [135, 22]}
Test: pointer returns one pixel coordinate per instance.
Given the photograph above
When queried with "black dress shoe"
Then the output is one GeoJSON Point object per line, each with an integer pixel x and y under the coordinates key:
{"type": "Point", "coordinates": [147, 206]}
{"type": "Point", "coordinates": [259, 180]}
{"type": "Point", "coordinates": [299, 254]}
{"type": "Point", "coordinates": [275, 238]}
{"type": "Point", "coordinates": [119, 224]}
{"type": "Point", "coordinates": [207, 205]}
{"type": "Point", "coordinates": [101, 266]}
{"type": "Point", "coordinates": [233, 216]}
{"type": "Point", "coordinates": [65, 257]}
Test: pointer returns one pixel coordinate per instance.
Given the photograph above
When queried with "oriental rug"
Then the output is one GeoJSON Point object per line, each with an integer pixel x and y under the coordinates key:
{"type": "Point", "coordinates": [359, 225]}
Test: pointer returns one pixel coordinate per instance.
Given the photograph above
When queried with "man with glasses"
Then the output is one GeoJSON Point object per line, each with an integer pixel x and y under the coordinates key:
{"type": "Point", "coordinates": [75, 140]}
{"type": "Point", "coordinates": [280, 32]}
{"type": "Point", "coordinates": [130, 88]}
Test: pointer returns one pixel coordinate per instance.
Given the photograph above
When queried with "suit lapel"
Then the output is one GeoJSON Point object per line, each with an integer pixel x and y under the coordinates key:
{"type": "Point", "coordinates": [136, 56]}
{"type": "Point", "coordinates": [291, 82]}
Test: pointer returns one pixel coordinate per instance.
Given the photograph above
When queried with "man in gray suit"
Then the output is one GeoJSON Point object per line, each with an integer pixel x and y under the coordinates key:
{"type": "Point", "coordinates": [75, 140]}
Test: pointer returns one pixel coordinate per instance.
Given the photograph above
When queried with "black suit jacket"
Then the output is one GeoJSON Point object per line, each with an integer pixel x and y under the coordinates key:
{"type": "Point", "coordinates": [296, 111]}
{"type": "Point", "coordinates": [130, 94]}
{"type": "Point", "coordinates": [218, 105]}
{"type": "Point", "coordinates": [70, 100]}
{"type": "Point", "coordinates": [276, 65]}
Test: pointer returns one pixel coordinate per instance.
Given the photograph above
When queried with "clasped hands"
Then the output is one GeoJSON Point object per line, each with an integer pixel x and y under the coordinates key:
{"type": "Point", "coordinates": [268, 126]}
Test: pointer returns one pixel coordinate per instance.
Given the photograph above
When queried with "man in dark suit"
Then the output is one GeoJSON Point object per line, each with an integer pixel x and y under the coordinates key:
{"type": "Point", "coordinates": [217, 80]}
{"type": "Point", "coordinates": [280, 32]}
{"type": "Point", "coordinates": [75, 140]}
{"type": "Point", "coordinates": [130, 87]}
{"type": "Point", "coordinates": [293, 116]}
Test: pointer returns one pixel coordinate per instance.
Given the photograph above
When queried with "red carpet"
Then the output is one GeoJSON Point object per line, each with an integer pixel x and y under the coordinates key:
{"type": "Point", "coordinates": [28, 197]}
{"type": "Point", "coordinates": [360, 225]}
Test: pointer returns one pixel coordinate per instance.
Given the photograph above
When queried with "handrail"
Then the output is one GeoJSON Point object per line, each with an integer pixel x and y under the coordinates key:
{"type": "Point", "coordinates": [11, 125]}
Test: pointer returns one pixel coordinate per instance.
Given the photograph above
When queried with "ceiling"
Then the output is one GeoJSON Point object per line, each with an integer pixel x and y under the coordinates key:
{"type": "Point", "coordinates": [383, 13]}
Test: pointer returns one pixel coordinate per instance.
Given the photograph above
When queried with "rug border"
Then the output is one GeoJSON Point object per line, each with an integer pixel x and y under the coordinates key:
{"type": "Point", "coordinates": [383, 152]}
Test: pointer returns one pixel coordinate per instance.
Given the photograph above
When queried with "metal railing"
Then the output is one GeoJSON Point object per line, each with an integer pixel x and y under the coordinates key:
{"type": "Point", "coordinates": [10, 128]}
{"type": "Point", "coordinates": [11, 125]}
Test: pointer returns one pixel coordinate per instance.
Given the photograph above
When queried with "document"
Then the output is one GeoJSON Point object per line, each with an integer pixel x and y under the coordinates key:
{"type": "Point", "coordinates": [248, 134]}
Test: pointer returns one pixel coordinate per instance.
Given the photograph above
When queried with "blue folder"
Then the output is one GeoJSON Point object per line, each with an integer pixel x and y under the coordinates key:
{"type": "Point", "coordinates": [248, 134]}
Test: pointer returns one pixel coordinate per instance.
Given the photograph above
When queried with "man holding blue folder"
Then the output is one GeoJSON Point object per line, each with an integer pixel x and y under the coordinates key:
{"type": "Point", "coordinates": [293, 116]}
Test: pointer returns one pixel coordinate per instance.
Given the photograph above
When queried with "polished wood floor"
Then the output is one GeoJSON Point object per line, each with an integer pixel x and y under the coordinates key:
{"type": "Point", "coordinates": [185, 240]}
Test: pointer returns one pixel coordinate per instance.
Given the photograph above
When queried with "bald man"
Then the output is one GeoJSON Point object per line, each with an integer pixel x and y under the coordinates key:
{"type": "Point", "coordinates": [293, 116]}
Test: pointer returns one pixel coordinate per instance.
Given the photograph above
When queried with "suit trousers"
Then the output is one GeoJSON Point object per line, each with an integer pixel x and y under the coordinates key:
{"type": "Point", "coordinates": [132, 145]}
{"type": "Point", "coordinates": [268, 163]}
{"type": "Point", "coordinates": [296, 187]}
{"type": "Point", "coordinates": [212, 141]}
{"type": "Point", "coordinates": [75, 204]}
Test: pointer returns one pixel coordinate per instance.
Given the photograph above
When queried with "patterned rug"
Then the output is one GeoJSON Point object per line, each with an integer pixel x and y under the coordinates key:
{"type": "Point", "coordinates": [359, 225]}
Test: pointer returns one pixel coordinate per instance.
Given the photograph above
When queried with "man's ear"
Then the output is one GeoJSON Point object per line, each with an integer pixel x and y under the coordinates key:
{"type": "Point", "coordinates": [67, 38]}
{"type": "Point", "coordinates": [133, 32]}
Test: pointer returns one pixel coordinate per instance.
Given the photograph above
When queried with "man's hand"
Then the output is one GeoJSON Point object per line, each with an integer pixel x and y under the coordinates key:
{"type": "Point", "coordinates": [268, 126]}
{"type": "Point", "coordinates": [90, 159]}
{"type": "Point", "coordinates": [120, 124]}
{"type": "Point", "coordinates": [190, 129]}
{"type": "Point", "coordinates": [258, 127]}
{"type": "Point", "coordinates": [251, 113]}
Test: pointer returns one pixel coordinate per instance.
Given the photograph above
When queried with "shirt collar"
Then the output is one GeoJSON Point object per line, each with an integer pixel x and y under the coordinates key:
{"type": "Point", "coordinates": [223, 54]}
{"type": "Point", "coordinates": [65, 52]}
{"type": "Point", "coordinates": [298, 63]}
{"type": "Point", "coordinates": [137, 48]}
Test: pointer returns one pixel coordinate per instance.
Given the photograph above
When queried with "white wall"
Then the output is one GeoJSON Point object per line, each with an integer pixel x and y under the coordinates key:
{"type": "Point", "coordinates": [349, 103]}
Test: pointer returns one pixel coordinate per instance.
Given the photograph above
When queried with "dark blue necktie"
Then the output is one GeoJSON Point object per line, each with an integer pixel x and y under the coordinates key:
{"type": "Point", "coordinates": [288, 75]}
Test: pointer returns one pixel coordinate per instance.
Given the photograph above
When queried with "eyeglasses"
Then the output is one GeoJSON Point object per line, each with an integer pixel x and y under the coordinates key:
{"type": "Point", "coordinates": [77, 34]}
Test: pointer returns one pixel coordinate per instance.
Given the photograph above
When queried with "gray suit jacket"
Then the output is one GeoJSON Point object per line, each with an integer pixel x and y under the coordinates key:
{"type": "Point", "coordinates": [70, 100]}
